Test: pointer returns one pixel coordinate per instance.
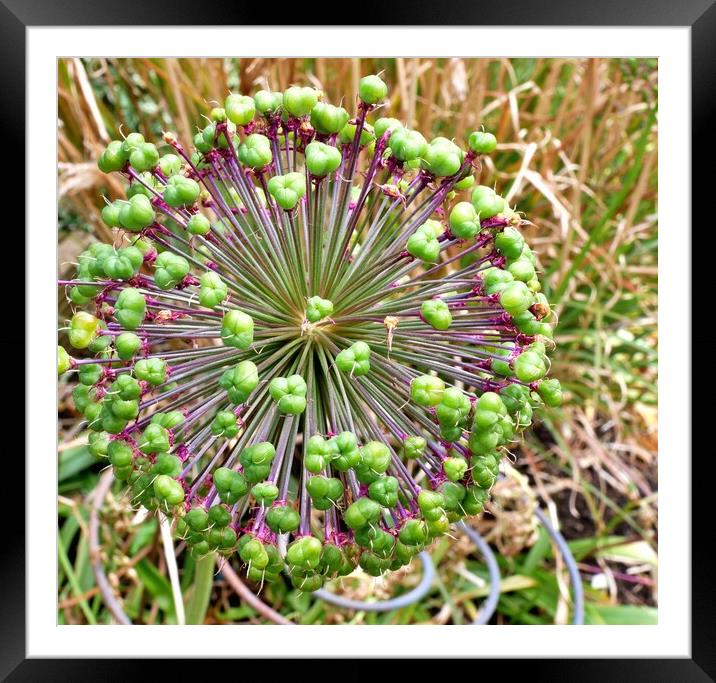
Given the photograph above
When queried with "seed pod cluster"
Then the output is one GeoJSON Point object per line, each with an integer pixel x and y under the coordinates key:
{"type": "Point", "coordinates": [311, 324]}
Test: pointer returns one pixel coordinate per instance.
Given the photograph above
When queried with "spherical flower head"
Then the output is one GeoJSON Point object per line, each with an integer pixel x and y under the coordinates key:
{"type": "Point", "coordinates": [284, 336]}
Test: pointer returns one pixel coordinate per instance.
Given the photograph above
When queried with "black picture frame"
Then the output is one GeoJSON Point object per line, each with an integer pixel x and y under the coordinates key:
{"type": "Point", "coordinates": [699, 15]}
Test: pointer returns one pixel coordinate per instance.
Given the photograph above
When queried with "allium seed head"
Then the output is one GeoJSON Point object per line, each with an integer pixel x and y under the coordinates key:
{"type": "Point", "coordinates": [304, 329]}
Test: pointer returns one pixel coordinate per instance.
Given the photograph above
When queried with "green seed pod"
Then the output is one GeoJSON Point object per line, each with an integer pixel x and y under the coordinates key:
{"type": "Point", "coordinates": [474, 501]}
{"type": "Point", "coordinates": [348, 133]}
{"type": "Point", "coordinates": [197, 519]}
{"type": "Point", "coordinates": [181, 191]}
{"type": "Point", "coordinates": [110, 214]}
{"type": "Point", "coordinates": [98, 443]}
{"type": "Point", "coordinates": [154, 439]}
{"type": "Point", "coordinates": [372, 89]}
{"type": "Point", "coordinates": [423, 245]}
{"type": "Point", "coordinates": [516, 298]}
{"type": "Point", "coordinates": [265, 493]}
{"type": "Point", "coordinates": [455, 468]}
{"type": "Point", "coordinates": [237, 329]}
{"type": "Point", "coordinates": [83, 328]}
{"type": "Point", "coordinates": [322, 159]}
{"type": "Point", "coordinates": [167, 464]}
{"type": "Point", "coordinates": [413, 447]}
{"type": "Point", "coordinates": [319, 453]}
{"type": "Point", "coordinates": [375, 457]}
{"type": "Point", "coordinates": [331, 559]}
{"type": "Point", "coordinates": [90, 374]}
{"type": "Point", "coordinates": [240, 381]}
{"type": "Point", "coordinates": [152, 370]}
{"type": "Point", "coordinates": [379, 542]}
{"type": "Point", "coordinates": [213, 289]}
{"type": "Point", "coordinates": [529, 367]}
{"type": "Point", "coordinates": [385, 124]}
{"type": "Point", "coordinates": [464, 222]}
{"type": "Point", "coordinates": [328, 119]}
{"type": "Point", "coordinates": [131, 141]}
{"type": "Point", "coordinates": [82, 397]}
{"type": "Point", "coordinates": [254, 554]}
{"type": "Point", "coordinates": [374, 565]}
{"type": "Point", "coordinates": [255, 151]}
{"type": "Point", "coordinates": [318, 309]}
{"type": "Point", "coordinates": [125, 410]}
{"type": "Point", "coordinates": [361, 513]}
{"type": "Point", "coordinates": [287, 189]}
{"type": "Point", "coordinates": [384, 490]}
{"type": "Point", "coordinates": [298, 101]}
{"type": "Point", "coordinates": [240, 109]}
{"type": "Point", "coordinates": [509, 243]}
{"type": "Point", "coordinates": [171, 269]}
{"type": "Point", "coordinates": [136, 213]}
{"type": "Point", "coordinates": [168, 490]}
{"type": "Point", "coordinates": [230, 484]}
{"type": "Point", "coordinates": [550, 391]}
{"type": "Point", "coordinates": [324, 491]}
{"type": "Point", "coordinates": [130, 308]}
{"type": "Point", "coordinates": [431, 504]}
{"type": "Point", "coordinates": [413, 532]}
{"type": "Point", "coordinates": [170, 164]}
{"type": "Point", "coordinates": [283, 519]}
{"type": "Point", "coordinates": [289, 393]}
{"type": "Point", "coordinates": [355, 359]}
{"type": "Point", "coordinates": [113, 158]}
{"type": "Point", "coordinates": [427, 390]}
{"type": "Point", "coordinates": [436, 313]}
{"type": "Point", "coordinates": [304, 553]}
{"type": "Point", "coordinates": [439, 525]}
{"type": "Point", "coordinates": [452, 493]}
{"type": "Point", "coordinates": [268, 102]}
{"type": "Point", "coordinates": [348, 454]}
{"type": "Point", "coordinates": [144, 157]}
{"type": "Point", "coordinates": [482, 142]}
{"type": "Point", "coordinates": [453, 407]}
{"type": "Point", "coordinates": [219, 516]}
{"type": "Point", "coordinates": [486, 202]}
{"type": "Point", "coordinates": [198, 224]}
{"type": "Point", "coordinates": [442, 158]}
{"type": "Point", "coordinates": [306, 582]}
{"type": "Point", "coordinates": [120, 453]}
{"type": "Point", "coordinates": [466, 183]}
{"type": "Point", "coordinates": [407, 145]}
{"type": "Point", "coordinates": [224, 424]}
